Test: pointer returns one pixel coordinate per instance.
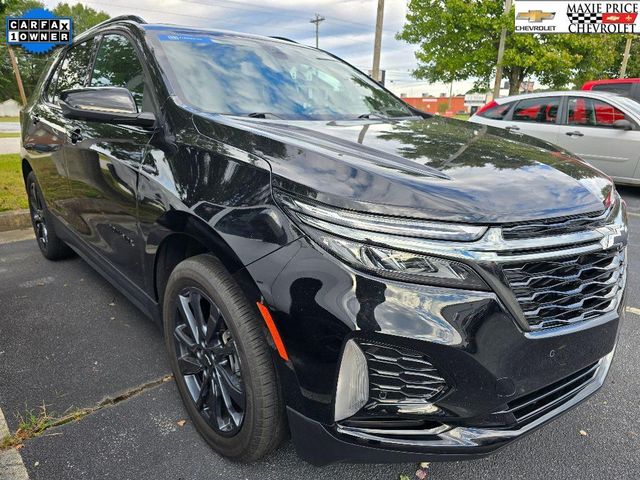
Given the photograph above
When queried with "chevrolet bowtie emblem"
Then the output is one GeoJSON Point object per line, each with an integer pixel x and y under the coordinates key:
{"type": "Point", "coordinates": [536, 16]}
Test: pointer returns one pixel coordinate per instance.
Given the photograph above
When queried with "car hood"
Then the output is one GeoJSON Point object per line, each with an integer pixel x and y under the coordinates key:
{"type": "Point", "coordinates": [433, 168]}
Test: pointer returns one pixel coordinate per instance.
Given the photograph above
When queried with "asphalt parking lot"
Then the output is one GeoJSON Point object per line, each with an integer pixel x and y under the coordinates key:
{"type": "Point", "coordinates": [71, 342]}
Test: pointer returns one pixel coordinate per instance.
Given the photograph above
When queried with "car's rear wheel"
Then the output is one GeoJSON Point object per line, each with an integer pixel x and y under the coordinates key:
{"type": "Point", "coordinates": [221, 362]}
{"type": "Point", "coordinates": [51, 246]}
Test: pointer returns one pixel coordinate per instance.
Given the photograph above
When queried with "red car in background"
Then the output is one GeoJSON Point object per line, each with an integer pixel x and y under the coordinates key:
{"type": "Point", "coordinates": [628, 87]}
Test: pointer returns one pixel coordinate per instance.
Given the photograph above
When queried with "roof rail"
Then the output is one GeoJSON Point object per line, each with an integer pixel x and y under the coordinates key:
{"type": "Point", "coordinates": [285, 39]}
{"type": "Point", "coordinates": [120, 18]}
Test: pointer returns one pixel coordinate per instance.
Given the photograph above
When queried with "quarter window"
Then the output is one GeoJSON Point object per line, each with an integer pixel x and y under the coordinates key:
{"type": "Point", "coordinates": [591, 112]}
{"type": "Point", "coordinates": [72, 71]}
{"type": "Point", "coordinates": [538, 110]}
{"type": "Point", "coordinates": [117, 65]}
{"type": "Point", "coordinates": [497, 112]}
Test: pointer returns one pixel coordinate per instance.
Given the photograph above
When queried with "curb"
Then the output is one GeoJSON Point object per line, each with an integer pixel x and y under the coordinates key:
{"type": "Point", "coordinates": [14, 220]}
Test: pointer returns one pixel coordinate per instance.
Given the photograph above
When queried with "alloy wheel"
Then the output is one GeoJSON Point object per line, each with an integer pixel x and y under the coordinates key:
{"type": "Point", "coordinates": [37, 215]}
{"type": "Point", "coordinates": [208, 361]}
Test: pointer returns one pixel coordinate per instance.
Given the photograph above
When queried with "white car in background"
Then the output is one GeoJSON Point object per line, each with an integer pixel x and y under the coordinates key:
{"type": "Point", "coordinates": [601, 128]}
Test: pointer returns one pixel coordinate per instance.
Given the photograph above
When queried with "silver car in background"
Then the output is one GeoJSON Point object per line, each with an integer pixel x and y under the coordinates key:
{"type": "Point", "coordinates": [601, 128]}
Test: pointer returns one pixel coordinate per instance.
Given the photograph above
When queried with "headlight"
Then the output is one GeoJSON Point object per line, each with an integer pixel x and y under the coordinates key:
{"type": "Point", "coordinates": [365, 242]}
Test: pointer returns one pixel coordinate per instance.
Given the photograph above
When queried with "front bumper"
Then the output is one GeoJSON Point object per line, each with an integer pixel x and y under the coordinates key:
{"type": "Point", "coordinates": [321, 445]}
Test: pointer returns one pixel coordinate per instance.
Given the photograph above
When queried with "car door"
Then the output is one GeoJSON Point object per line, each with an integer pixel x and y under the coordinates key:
{"type": "Point", "coordinates": [46, 133]}
{"type": "Point", "coordinates": [587, 130]}
{"type": "Point", "coordinates": [536, 116]}
{"type": "Point", "coordinates": [103, 161]}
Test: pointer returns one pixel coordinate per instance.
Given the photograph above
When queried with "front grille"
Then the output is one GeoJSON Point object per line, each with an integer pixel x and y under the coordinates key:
{"type": "Point", "coordinates": [561, 291]}
{"type": "Point", "coordinates": [556, 226]}
{"type": "Point", "coordinates": [534, 405]}
{"type": "Point", "coordinates": [398, 376]}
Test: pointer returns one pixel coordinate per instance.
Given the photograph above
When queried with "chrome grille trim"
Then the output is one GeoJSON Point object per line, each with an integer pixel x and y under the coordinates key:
{"type": "Point", "coordinates": [556, 226]}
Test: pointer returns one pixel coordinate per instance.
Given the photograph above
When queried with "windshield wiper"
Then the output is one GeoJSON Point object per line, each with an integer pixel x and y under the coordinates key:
{"type": "Point", "coordinates": [262, 115]}
{"type": "Point", "coordinates": [374, 115]}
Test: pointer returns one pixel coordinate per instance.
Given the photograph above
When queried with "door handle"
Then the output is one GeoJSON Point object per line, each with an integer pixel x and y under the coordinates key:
{"type": "Point", "coordinates": [512, 128]}
{"type": "Point", "coordinates": [575, 133]}
{"type": "Point", "coordinates": [75, 136]}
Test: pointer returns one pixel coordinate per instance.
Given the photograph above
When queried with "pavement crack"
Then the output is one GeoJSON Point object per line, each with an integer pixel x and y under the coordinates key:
{"type": "Point", "coordinates": [33, 425]}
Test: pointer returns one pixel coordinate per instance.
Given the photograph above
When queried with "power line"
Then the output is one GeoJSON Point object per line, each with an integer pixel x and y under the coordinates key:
{"type": "Point", "coordinates": [317, 21]}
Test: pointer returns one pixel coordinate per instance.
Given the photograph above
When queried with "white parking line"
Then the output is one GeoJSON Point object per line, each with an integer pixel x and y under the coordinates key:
{"type": "Point", "coordinates": [635, 311]}
{"type": "Point", "coordinates": [11, 465]}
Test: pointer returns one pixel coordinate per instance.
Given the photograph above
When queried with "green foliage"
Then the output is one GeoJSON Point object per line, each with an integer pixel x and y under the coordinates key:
{"type": "Point", "coordinates": [12, 192]}
{"type": "Point", "coordinates": [32, 65]}
{"type": "Point", "coordinates": [458, 40]}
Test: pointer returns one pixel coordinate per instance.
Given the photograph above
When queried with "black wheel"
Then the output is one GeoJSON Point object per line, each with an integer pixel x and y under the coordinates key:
{"type": "Point", "coordinates": [221, 361]}
{"type": "Point", "coordinates": [50, 245]}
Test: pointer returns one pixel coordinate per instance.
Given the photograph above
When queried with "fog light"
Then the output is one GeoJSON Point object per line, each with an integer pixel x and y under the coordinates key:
{"type": "Point", "coordinates": [352, 392]}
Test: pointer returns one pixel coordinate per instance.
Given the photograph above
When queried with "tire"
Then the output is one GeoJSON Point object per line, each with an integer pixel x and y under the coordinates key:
{"type": "Point", "coordinates": [51, 246]}
{"type": "Point", "coordinates": [235, 356]}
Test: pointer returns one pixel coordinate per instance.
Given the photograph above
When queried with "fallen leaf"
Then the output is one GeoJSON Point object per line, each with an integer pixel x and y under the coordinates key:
{"type": "Point", "coordinates": [112, 318]}
{"type": "Point", "coordinates": [19, 446]}
{"type": "Point", "coordinates": [36, 464]}
{"type": "Point", "coordinates": [181, 423]}
{"type": "Point", "coordinates": [583, 433]}
{"type": "Point", "coordinates": [421, 474]}
{"type": "Point", "coordinates": [424, 464]}
{"type": "Point", "coordinates": [112, 304]}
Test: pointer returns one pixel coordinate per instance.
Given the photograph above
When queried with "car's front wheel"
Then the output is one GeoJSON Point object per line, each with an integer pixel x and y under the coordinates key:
{"type": "Point", "coordinates": [221, 362]}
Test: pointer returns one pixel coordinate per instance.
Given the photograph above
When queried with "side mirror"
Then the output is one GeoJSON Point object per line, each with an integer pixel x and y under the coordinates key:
{"type": "Point", "coordinates": [104, 104]}
{"type": "Point", "coordinates": [623, 125]}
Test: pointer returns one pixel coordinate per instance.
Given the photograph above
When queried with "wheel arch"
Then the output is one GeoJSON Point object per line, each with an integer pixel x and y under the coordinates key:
{"type": "Point", "coordinates": [184, 235]}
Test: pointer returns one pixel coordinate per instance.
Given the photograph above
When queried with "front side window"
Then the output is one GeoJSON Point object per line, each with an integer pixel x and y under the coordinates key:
{"type": "Point", "coordinates": [592, 113]}
{"type": "Point", "coordinates": [538, 110]}
{"type": "Point", "coordinates": [237, 75]}
{"type": "Point", "coordinates": [117, 65]}
{"type": "Point", "coordinates": [72, 70]}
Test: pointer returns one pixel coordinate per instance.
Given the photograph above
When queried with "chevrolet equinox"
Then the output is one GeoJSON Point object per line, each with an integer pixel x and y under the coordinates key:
{"type": "Point", "coordinates": [323, 259]}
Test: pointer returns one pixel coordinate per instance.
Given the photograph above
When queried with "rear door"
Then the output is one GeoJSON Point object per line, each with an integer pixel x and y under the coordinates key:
{"type": "Point", "coordinates": [46, 134]}
{"type": "Point", "coordinates": [587, 130]}
{"type": "Point", "coordinates": [537, 117]}
{"type": "Point", "coordinates": [104, 159]}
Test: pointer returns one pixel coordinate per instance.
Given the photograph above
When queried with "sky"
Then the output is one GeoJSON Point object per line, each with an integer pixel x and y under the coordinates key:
{"type": "Point", "coordinates": [347, 32]}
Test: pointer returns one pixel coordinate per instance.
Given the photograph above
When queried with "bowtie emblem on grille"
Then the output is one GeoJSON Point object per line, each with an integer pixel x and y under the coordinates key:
{"type": "Point", "coordinates": [612, 235]}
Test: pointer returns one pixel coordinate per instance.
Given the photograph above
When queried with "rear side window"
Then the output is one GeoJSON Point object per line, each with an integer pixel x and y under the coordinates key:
{"type": "Point", "coordinates": [497, 112]}
{"type": "Point", "coordinates": [592, 113]}
{"type": "Point", "coordinates": [619, 88]}
{"type": "Point", "coordinates": [117, 65]}
{"type": "Point", "coordinates": [538, 110]}
{"type": "Point", "coordinates": [72, 71]}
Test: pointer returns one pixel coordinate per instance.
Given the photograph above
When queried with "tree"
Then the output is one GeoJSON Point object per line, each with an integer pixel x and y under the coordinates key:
{"type": "Point", "coordinates": [458, 40]}
{"type": "Point", "coordinates": [32, 65]}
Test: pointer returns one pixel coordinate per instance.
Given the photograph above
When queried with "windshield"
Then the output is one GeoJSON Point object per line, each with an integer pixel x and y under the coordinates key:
{"type": "Point", "coordinates": [631, 104]}
{"type": "Point", "coordinates": [237, 75]}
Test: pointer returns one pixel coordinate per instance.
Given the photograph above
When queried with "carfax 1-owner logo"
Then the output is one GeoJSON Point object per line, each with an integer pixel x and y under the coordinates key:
{"type": "Point", "coordinates": [533, 16]}
{"type": "Point", "coordinates": [39, 30]}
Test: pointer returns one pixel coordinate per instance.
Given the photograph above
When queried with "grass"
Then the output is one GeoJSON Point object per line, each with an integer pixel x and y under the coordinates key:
{"type": "Point", "coordinates": [9, 119]}
{"type": "Point", "coordinates": [12, 193]}
{"type": "Point", "coordinates": [9, 134]}
{"type": "Point", "coordinates": [463, 116]}
{"type": "Point", "coordinates": [31, 425]}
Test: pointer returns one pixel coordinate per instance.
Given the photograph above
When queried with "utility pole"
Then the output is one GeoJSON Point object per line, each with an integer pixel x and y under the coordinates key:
{"type": "Point", "coordinates": [317, 21]}
{"type": "Point", "coordinates": [16, 72]}
{"type": "Point", "coordinates": [625, 58]}
{"type": "Point", "coordinates": [503, 38]}
{"type": "Point", "coordinates": [377, 43]}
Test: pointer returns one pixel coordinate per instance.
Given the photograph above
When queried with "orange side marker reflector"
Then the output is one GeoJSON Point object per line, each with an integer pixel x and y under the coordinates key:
{"type": "Point", "coordinates": [268, 319]}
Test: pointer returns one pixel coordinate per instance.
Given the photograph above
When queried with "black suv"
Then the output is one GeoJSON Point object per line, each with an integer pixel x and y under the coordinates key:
{"type": "Point", "coordinates": [385, 284]}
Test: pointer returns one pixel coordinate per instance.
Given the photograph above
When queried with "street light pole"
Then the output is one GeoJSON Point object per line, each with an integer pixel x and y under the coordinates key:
{"type": "Point", "coordinates": [503, 38]}
{"type": "Point", "coordinates": [317, 21]}
{"type": "Point", "coordinates": [377, 43]}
